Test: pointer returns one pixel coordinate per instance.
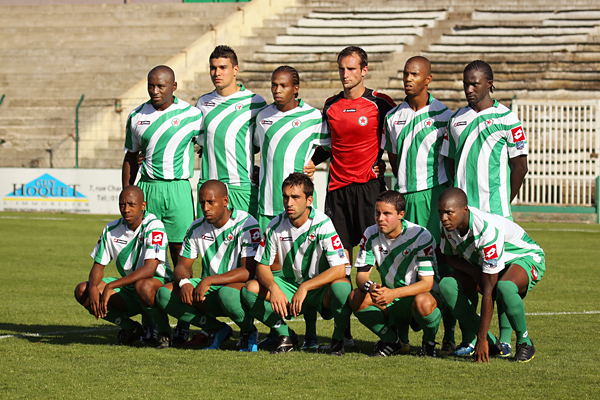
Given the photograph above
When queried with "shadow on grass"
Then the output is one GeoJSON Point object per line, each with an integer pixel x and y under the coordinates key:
{"type": "Point", "coordinates": [59, 334]}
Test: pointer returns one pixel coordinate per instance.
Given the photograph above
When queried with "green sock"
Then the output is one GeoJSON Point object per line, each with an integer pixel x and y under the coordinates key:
{"type": "Point", "coordinates": [403, 332]}
{"type": "Point", "coordinates": [261, 309]}
{"type": "Point", "coordinates": [508, 294]}
{"type": "Point", "coordinates": [231, 304]}
{"type": "Point", "coordinates": [430, 324]}
{"type": "Point", "coordinates": [373, 318]}
{"type": "Point", "coordinates": [340, 308]}
{"type": "Point", "coordinates": [161, 318]}
{"type": "Point", "coordinates": [173, 305]}
{"type": "Point", "coordinates": [449, 325]}
{"type": "Point", "coordinates": [463, 309]}
{"type": "Point", "coordinates": [503, 323]}
{"type": "Point", "coordinates": [310, 320]}
{"type": "Point", "coordinates": [147, 320]}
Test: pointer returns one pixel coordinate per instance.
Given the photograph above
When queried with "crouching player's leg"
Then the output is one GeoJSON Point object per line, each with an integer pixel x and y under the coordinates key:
{"type": "Point", "coordinates": [118, 308]}
{"type": "Point", "coordinates": [514, 285]}
{"type": "Point", "coordinates": [146, 291]}
{"type": "Point", "coordinates": [230, 300]}
{"type": "Point", "coordinates": [426, 312]}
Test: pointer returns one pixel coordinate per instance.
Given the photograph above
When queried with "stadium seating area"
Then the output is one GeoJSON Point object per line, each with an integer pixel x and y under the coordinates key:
{"type": "Point", "coordinates": [51, 55]}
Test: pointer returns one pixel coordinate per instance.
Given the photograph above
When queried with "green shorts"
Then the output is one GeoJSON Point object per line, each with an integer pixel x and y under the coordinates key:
{"type": "Point", "coordinates": [172, 203]}
{"type": "Point", "coordinates": [534, 270]}
{"type": "Point", "coordinates": [421, 209]}
{"type": "Point", "coordinates": [130, 296]}
{"type": "Point", "coordinates": [313, 300]}
{"type": "Point", "coordinates": [243, 198]}
{"type": "Point", "coordinates": [400, 310]}
{"type": "Point", "coordinates": [264, 220]}
{"type": "Point", "coordinates": [213, 305]}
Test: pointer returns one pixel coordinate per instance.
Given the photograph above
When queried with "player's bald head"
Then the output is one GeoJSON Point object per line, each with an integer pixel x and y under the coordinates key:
{"type": "Point", "coordinates": [422, 62]}
{"type": "Point", "coordinates": [132, 190]}
{"type": "Point", "coordinates": [217, 187]}
{"type": "Point", "coordinates": [452, 197]}
{"type": "Point", "coordinates": [164, 71]}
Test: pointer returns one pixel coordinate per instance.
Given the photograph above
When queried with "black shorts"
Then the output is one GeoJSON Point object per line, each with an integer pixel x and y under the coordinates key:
{"type": "Point", "coordinates": [352, 210]}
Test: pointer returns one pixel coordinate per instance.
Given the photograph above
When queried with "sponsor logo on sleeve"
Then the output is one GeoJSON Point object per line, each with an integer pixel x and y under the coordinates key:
{"type": "Point", "coordinates": [363, 242]}
{"type": "Point", "coordinates": [490, 252]}
{"type": "Point", "coordinates": [518, 137]}
{"type": "Point", "coordinates": [336, 242]}
{"type": "Point", "coordinates": [263, 240]}
{"type": "Point", "coordinates": [445, 130]}
{"type": "Point", "coordinates": [255, 235]}
{"type": "Point", "coordinates": [428, 251]}
{"type": "Point", "coordinates": [158, 238]}
{"type": "Point", "coordinates": [363, 121]}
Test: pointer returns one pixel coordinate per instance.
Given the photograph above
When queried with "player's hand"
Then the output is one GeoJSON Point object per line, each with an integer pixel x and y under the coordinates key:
{"type": "Point", "coordinates": [94, 296]}
{"type": "Point", "coordinates": [200, 291]}
{"type": "Point", "coordinates": [255, 175]}
{"type": "Point", "coordinates": [279, 302]}
{"type": "Point", "coordinates": [382, 296]}
{"type": "Point", "coordinates": [309, 169]}
{"type": "Point", "coordinates": [140, 158]}
{"type": "Point", "coordinates": [186, 292]}
{"type": "Point", "coordinates": [108, 291]}
{"type": "Point", "coordinates": [482, 351]}
{"type": "Point", "coordinates": [297, 300]}
{"type": "Point", "coordinates": [379, 169]}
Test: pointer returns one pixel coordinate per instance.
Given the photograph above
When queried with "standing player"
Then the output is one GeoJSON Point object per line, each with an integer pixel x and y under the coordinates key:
{"type": "Point", "coordinates": [405, 257]}
{"type": "Point", "coordinates": [137, 243]}
{"type": "Point", "coordinates": [495, 254]}
{"type": "Point", "coordinates": [163, 130]}
{"type": "Point", "coordinates": [487, 149]}
{"type": "Point", "coordinates": [313, 266]}
{"type": "Point", "coordinates": [226, 137]}
{"type": "Point", "coordinates": [414, 132]}
{"type": "Point", "coordinates": [486, 145]}
{"type": "Point", "coordinates": [356, 117]}
{"type": "Point", "coordinates": [225, 240]}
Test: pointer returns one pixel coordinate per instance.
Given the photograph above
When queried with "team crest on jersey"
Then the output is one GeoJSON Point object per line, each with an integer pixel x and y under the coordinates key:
{"type": "Point", "coordinates": [266, 122]}
{"type": "Point", "coordinates": [158, 238]}
{"type": "Point", "coordinates": [460, 123]}
{"type": "Point", "coordinates": [488, 122]}
{"type": "Point", "coordinates": [255, 235]}
{"type": "Point", "coordinates": [428, 251]}
{"type": "Point", "coordinates": [239, 106]}
{"type": "Point", "coordinates": [406, 252]}
{"type": "Point", "coordinates": [490, 252]}
{"type": "Point", "coordinates": [296, 123]}
{"type": "Point", "coordinates": [143, 122]}
{"type": "Point", "coordinates": [175, 122]}
{"type": "Point", "coordinates": [208, 237]}
{"type": "Point", "coordinates": [119, 241]}
{"type": "Point", "coordinates": [230, 237]}
{"type": "Point", "coordinates": [362, 120]}
{"type": "Point", "coordinates": [429, 122]}
{"type": "Point", "coordinates": [312, 237]}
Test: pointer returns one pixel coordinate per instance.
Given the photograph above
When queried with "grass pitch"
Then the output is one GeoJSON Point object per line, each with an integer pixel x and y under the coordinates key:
{"type": "Point", "coordinates": [50, 347]}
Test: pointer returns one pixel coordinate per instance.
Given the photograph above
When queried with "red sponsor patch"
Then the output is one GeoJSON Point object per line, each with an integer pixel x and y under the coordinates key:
{"type": "Point", "coordinates": [255, 235]}
{"type": "Point", "coordinates": [490, 252]}
{"type": "Point", "coordinates": [363, 242]}
{"type": "Point", "coordinates": [263, 240]}
{"type": "Point", "coordinates": [158, 238]}
{"type": "Point", "coordinates": [445, 133]}
{"type": "Point", "coordinates": [336, 242]}
{"type": "Point", "coordinates": [428, 251]}
{"type": "Point", "coordinates": [534, 273]}
{"type": "Point", "coordinates": [518, 134]}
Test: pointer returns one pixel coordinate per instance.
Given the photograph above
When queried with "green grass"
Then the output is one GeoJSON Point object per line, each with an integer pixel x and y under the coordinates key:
{"type": "Point", "coordinates": [50, 347]}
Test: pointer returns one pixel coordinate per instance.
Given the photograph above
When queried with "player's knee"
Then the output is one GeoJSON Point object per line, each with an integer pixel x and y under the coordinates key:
{"type": "Point", "coordinates": [145, 290]}
{"type": "Point", "coordinates": [80, 291]}
{"type": "Point", "coordinates": [424, 304]}
{"type": "Point", "coordinates": [506, 288]}
{"type": "Point", "coordinates": [252, 286]}
{"type": "Point", "coordinates": [448, 286]}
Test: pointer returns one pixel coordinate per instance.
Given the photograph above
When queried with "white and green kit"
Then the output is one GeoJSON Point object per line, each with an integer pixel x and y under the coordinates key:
{"type": "Point", "coordinates": [480, 145]}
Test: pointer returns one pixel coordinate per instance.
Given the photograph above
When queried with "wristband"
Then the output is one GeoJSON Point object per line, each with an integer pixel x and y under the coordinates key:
{"type": "Point", "coordinates": [368, 285]}
{"type": "Point", "coordinates": [183, 282]}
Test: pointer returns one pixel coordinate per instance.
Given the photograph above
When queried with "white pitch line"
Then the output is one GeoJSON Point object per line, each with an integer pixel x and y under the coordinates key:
{"type": "Point", "coordinates": [231, 322]}
{"type": "Point", "coordinates": [55, 218]}
{"type": "Point", "coordinates": [562, 230]}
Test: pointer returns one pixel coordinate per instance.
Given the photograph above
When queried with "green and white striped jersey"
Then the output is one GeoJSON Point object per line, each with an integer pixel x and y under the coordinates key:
{"type": "Point", "coordinates": [400, 261]}
{"type": "Point", "coordinates": [226, 136]}
{"type": "Point", "coordinates": [481, 145]}
{"type": "Point", "coordinates": [130, 249]}
{"type": "Point", "coordinates": [301, 249]}
{"type": "Point", "coordinates": [287, 141]}
{"type": "Point", "coordinates": [165, 137]}
{"type": "Point", "coordinates": [416, 137]}
{"type": "Point", "coordinates": [222, 249]}
{"type": "Point", "coordinates": [491, 243]}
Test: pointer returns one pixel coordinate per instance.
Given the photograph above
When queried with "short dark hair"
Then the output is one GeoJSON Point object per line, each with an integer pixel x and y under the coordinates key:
{"type": "Point", "coordinates": [479, 65]}
{"type": "Point", "coordinates": [350, 50]}
{"type": "Point", "coordinates": [394, 198]}
{"type": "Point", "coordinates": [290, 70]}
{"type": "Point", "coordinates": [223, 51]}
{"type": "Point", "coordinates": [299, 179]}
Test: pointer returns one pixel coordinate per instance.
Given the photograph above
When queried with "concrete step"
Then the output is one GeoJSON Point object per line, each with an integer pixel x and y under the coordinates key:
{"type": "Point", "coordinates": [329, 31]}
{"type": "Point", "coordinates": [536, 15]}
{"type": "Point", "coordinates": [331, 41]}
{"type": "Point", "coordinates": [505, 49]}
{"type": "Point", "coordinates": [542, 30]}
{"type": "Point", "coordinates": [362, 23]}
{"type": "Point", "coordinates": [332, 49]}
{"type": "Point", "coordinates": [513, 40]}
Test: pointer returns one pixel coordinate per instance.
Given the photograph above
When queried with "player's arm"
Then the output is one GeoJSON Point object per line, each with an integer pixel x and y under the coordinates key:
{"type": "Point", "coordinates": [324, 278]}
{"type": "Point", "coordinates": [363, 275]}
{"type": "Point", "coordinates": [518, 170]}
{"type": "Point", "coordinates": [487, 310]}
{"type": "Point", "coordinates": [242, 274]}
{"type": "Point", "coordinates": [393, 158]}
{"type": "Point", "coordinates": [462, 265]}
{"type": "Point", "coordinates": [96, 275]}
{"type": "Point", "coordinates": [181, 277]}
{"type": "Point", "coordinates": [130, 168]}
{"type": "Point", "coordinates": [320, 155]}
{"type": "Point", "coordinates": [279, 301]}
{"type": "Point", "coordinates": [382, 296]}
{"type": "Point", "coordinates": [146, 271]}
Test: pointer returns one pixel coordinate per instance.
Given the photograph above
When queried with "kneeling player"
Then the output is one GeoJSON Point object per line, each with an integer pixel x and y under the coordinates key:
{"type": "Point", "coordinates": [487, 252]}
{"type": "Point", "coordinates": [405, 258]}
{"type": "Point", "coordinates": [313, 265]}
{"type": "Point", "coordinates": [137, 242]}
{"type": "Point", "coordinates": [226, 241]}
